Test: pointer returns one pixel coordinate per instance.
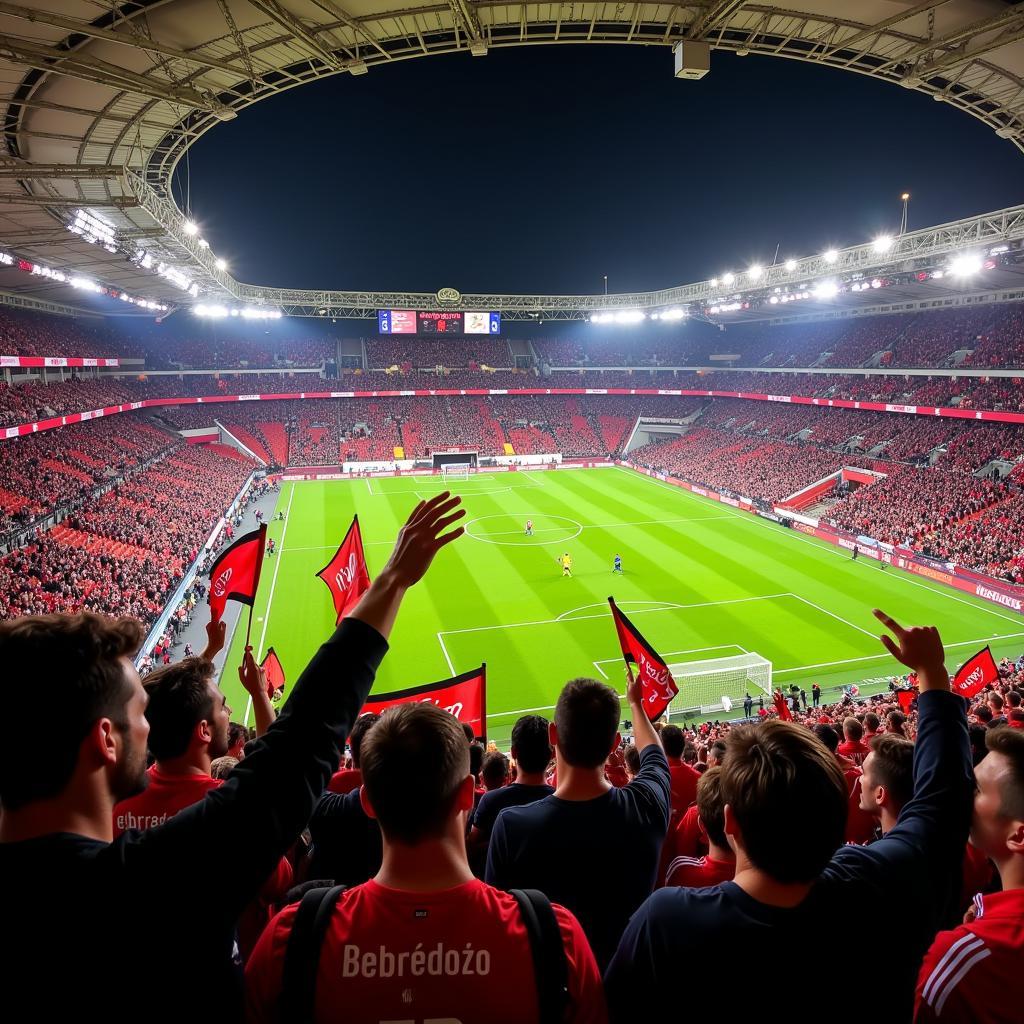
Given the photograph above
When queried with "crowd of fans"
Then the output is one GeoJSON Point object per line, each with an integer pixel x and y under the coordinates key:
{"type": "Point", "coordinates": [576, 877]}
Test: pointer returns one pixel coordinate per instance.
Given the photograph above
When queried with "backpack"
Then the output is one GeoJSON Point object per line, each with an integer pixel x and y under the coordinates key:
{"type": "Point", "coordinates": [302, 955]}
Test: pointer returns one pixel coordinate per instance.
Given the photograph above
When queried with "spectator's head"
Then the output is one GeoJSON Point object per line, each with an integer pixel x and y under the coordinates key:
{"type": "Point", "coordinates": [852, 730]}
{"type": "Point", "coordinates": [689, 752]}
{"type": "Point", "coordinates": [531, 745]}
{"type": "Point", "coordinates": [828, 736]}
{"type": "Point", "coordinates": [416, 778]}
{"type": "Point", "coordinates": [495, 770]}
{"type": "Point", "coordinates": [983, 714]}
{"type": "Point", "coordinates": [674, 742]}
{"type": "Point", "coordinates": [468, 730]}
{"type": "Point", "coordinates": [888, 780]}
{"type": "Point", "coordinates": [997, 827]}
{"type": "Point", "coordinates": [238, 735]}
{"type": "Point", "coordinates": [871, 722]}
{"type": "Point", "coordinates": [789, 839]}
{"type": "Point", "coordinates": [1013, 699]}
{"type": "Point", "coordinates": [632, 757]}
{"type": "Point", "coordinates": [586, 723]}
{"type": "Point", "coordinates": [221, 767]}
{"type": "Point", "coordinates": [716, 753]}
{"type": "Point", "coordinates": [995, 702]}
{"type": "Point", "coordinates": [359, 730]}
{"type": "Point", "coordinates": [81, 665]}
{"type": "Point", "coordinates": [710, 806]}
{"type": "Point", "coordinates": [188, 714]}
{"type": "Point", "coordinates": [476, 759]}
{"type": "Point", "coordinates": [894, 722]}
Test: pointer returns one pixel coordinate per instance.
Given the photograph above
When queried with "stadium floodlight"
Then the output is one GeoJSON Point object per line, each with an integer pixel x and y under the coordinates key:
{"type": "Point", "coordinates": [85, 284]}
{"type": "Point", "coordinates": [94, 229]}
{"type": "Point", "coordinates": [216, 312]}
{"type": "Point", "coordinates": [630, 316]}
{"type": "Point", "coordinates": [825, 290]}
{"type": "Point", "coordinates": [191, 228]}
{"type": "Point", "coordinates": [790, 266]}
{"type": "Point", "coordinates": [261, 314]}
{"type": "Point", "coordinates": [713, 282]}
{"type": "Point", "coordinates": [830, 255]}
{"type": "Point", "coordinates": [203, 243]}
{"type": "Point", "coordinates": [883, 243]}
{"type": "Point", "coordinates": [966, 264]}
{"type": "Point", "coordinates": [728, 277]}
{"type": "Point", "coordinates": [755, 272]}
{"type": "Point", "coordinates": [222, 264]}
{"type": "Point", "coordinates": [674, 314]}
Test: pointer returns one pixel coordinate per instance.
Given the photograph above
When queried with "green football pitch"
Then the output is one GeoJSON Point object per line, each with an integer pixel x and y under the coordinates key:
{"type": "Point", "coordinates": [702, 580]}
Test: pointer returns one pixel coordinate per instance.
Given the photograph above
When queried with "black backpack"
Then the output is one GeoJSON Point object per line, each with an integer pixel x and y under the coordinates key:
{"type": "Point", "coordinates": [302, 955]}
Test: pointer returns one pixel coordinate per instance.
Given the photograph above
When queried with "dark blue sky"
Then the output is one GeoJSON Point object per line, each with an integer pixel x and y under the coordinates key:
{"type": "Point", "coordinates": [543, 168]}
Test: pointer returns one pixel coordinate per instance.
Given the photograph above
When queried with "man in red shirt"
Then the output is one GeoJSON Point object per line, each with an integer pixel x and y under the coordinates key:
{"type": "Point", "coordinates": [348, 779]}
{"type": "Point", "coordinates": [872, 725]}
{"type": "Point", "coordinates": [720, 863]}
{"type": "Point", "coordinates": [973, 973]}
{"type": "Point", "coordinates": [684, 778]}
{"type": "Point", "coordinates": [852, 747]}
{"type": "Point", "coordinates": [424, 939]}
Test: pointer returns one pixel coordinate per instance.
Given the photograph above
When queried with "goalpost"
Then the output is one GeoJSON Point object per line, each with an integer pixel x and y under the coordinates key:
{"type": "Point", "coordinates": [704, 684]}
{"type": "Point", "coordinates": [455, 471]}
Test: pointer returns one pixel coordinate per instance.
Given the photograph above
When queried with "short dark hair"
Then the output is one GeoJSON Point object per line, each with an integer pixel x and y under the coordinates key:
{"type": "Point", "coordinates": [828, 736]}
{"type": "Point", "coordinates": [468, 730]}
{"type": "Point", "coordinates": [871, 721]}
{"type": "Point", "coordinates": [632, 756]}
{"type": "Point", "coordinates": [673, 740]}
{"type": "Point", "coordinates": [476, 759]}
{"type": "Point", "coordinates": [355, 738]}
{"type": "Point", "coordinates": [587, 718]}
{"type": "Point", "coordinates": [236, 734]}
{"type": "Point", "coordinates": [983, 712]}
{"type": "Point", "coordinates": [852, 729]}
{"type": "Point", "coordinates": [179, 699]}
{"type": "Point", "coordinates": [895, 721]}
{"type": "Point", "coordinates": [718, 748]}
{"type": "Point", "coordinates": [413, 761]}
{"type": "Point", "coordinates": [71, 663]}
{"type": "Point", "coordinates": [1013, 699]}
{"type": "Point", "coordinates": [710, 805]}
{"type": "Point", "coordinates": [995, 701]}
{"type": "Point", "coordinates": [893, 765]}
{"type": "Point", "coordinates": [495, 769]}
{"type": "Point", "coordinates": [1010, 744]}
{"type": "Point", "coordinates": [531, 745]}
{"type": "Point", "coordinates": [790, 839]}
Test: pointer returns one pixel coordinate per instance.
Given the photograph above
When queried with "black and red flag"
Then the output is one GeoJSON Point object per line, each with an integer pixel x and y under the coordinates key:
{"type": "Point", "coordinates": [906, 698]}
{"type": "Point", "coordinates": [274, 671]}
{"type": "Point", "coordinates": [235, 575]}
{"type": "Point", "coordinates": [463, 696]}
{"type": "Point", "coordinates": [657, 687]}
{"type": "Point", "coordinates": [975, 674]}
{"type": "Point", "coordinates": [346, 575]}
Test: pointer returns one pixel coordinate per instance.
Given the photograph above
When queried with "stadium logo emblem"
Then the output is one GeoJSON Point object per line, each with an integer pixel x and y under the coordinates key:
{"type": "Point", "coordinates": [220, 584]}
{"type": "Point", "coordinates": [999, 598]}
{"type": "Point", "coordinates": [449, 296]}
{"type": "Point", "coordinates": [346, 575]}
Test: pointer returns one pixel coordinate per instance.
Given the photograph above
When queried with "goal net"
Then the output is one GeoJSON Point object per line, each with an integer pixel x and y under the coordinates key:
{"type": "Point", "coordinates": [706, 686]}
{"type": "Point", "coordinates": [455, 471]}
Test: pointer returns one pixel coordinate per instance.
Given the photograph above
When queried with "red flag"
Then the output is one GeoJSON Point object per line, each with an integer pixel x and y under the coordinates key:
{"type": "Point", "coordinates": [235, 576]}
{"type": "Point", "coordinates": [975, 674]}
{"type": "Point", "coordinates": [782, 707]}
{"type": "Point", "coordinates": [463, 696]}
{"type": "Point", "coordinates": [906, 698]}
{"type": "Point", "coordinates": [657, 686]}
{"type": "Point", "coordinates": [346, 575]}
{"type": "Point", "coordinates": [274, 670]}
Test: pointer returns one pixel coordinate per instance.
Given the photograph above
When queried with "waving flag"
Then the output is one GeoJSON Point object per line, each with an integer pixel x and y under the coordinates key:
{"type": "Point", "coordinates": [463, 696]}
{"type": "Point", "coordinates": [274, 670]}
{"type": "Point", "coordinates": [235, 576]}
{"type": "Point", "coordinates": [657, 686]}
{"type": "Point", "coordinates": [346, 575]}
{"type": "Point", "coordinates": [779, 700]}
{"type": "Point", "coordinates": [975, 674]}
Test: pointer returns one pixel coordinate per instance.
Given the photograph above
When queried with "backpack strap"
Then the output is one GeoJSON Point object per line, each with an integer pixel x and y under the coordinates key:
{"type": "Point", "coordinates": [550, 969]}
{"type": "Point", "coordinates": [302, 955]}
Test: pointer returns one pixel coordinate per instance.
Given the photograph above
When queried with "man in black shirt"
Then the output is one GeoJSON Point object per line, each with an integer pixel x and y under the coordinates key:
{"type": "Point", "coordinates": [590, 847]}
{"type": "Point", "coordinates": [146, 923]}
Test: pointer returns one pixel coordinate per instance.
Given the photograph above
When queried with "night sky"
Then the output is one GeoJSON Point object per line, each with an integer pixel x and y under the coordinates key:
{"type": "Point", "coordinates": [544, 168]}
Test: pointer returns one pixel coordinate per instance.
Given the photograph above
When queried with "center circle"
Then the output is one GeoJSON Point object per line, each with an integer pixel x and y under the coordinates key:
{"type": "Point", "coordinates": [512, 533]}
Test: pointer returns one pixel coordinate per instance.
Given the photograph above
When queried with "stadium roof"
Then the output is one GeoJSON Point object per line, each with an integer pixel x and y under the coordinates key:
{"type": "Point", "coordinates": [102, 98]}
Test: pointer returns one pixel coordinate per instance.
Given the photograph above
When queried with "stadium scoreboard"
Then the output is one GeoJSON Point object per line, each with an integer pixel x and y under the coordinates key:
{"type": "Point", "coordinates": [410, 321]}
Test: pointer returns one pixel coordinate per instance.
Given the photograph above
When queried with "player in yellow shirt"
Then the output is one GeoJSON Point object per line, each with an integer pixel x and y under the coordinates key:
{"type": "Point", "coordinates": [566, 563]}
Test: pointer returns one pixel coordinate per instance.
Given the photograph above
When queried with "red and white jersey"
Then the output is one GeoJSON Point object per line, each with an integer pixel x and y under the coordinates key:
{"type": "Point", "coordinates": [460, 954]}
{"type": "Point", "coordinates": [976, 972]}
{"type": "Point", "coordinates": [699, 872]}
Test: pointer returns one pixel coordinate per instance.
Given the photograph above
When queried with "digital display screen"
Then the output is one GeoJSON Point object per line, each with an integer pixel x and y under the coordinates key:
{"type": "Point", "coordinates": [409, 321]}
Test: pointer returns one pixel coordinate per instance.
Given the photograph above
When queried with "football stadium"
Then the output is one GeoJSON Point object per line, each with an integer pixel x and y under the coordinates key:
{"type": "Point", "coordinates": [452, 486]}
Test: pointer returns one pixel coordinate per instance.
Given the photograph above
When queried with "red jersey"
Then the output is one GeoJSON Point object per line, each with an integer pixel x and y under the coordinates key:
{"type": "Point", "coordinates": [973, 973]}
{"type": "Point", "coordinates": [345, 780]}
{"type": "Point", "coordinates": [699, 872]}
{"type": "Point", "coordinates": [690, 839]}
{"type": "Point", "coordinates": [458, 954]}
{"type": "Point", "coordinates": [854, 750]}
{"type": "Point", "coordinates": [684, 785]}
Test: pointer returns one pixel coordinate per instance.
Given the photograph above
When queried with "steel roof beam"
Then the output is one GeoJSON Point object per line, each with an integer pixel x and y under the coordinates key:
{"type": "Point", "coordinates": [272, 9]}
